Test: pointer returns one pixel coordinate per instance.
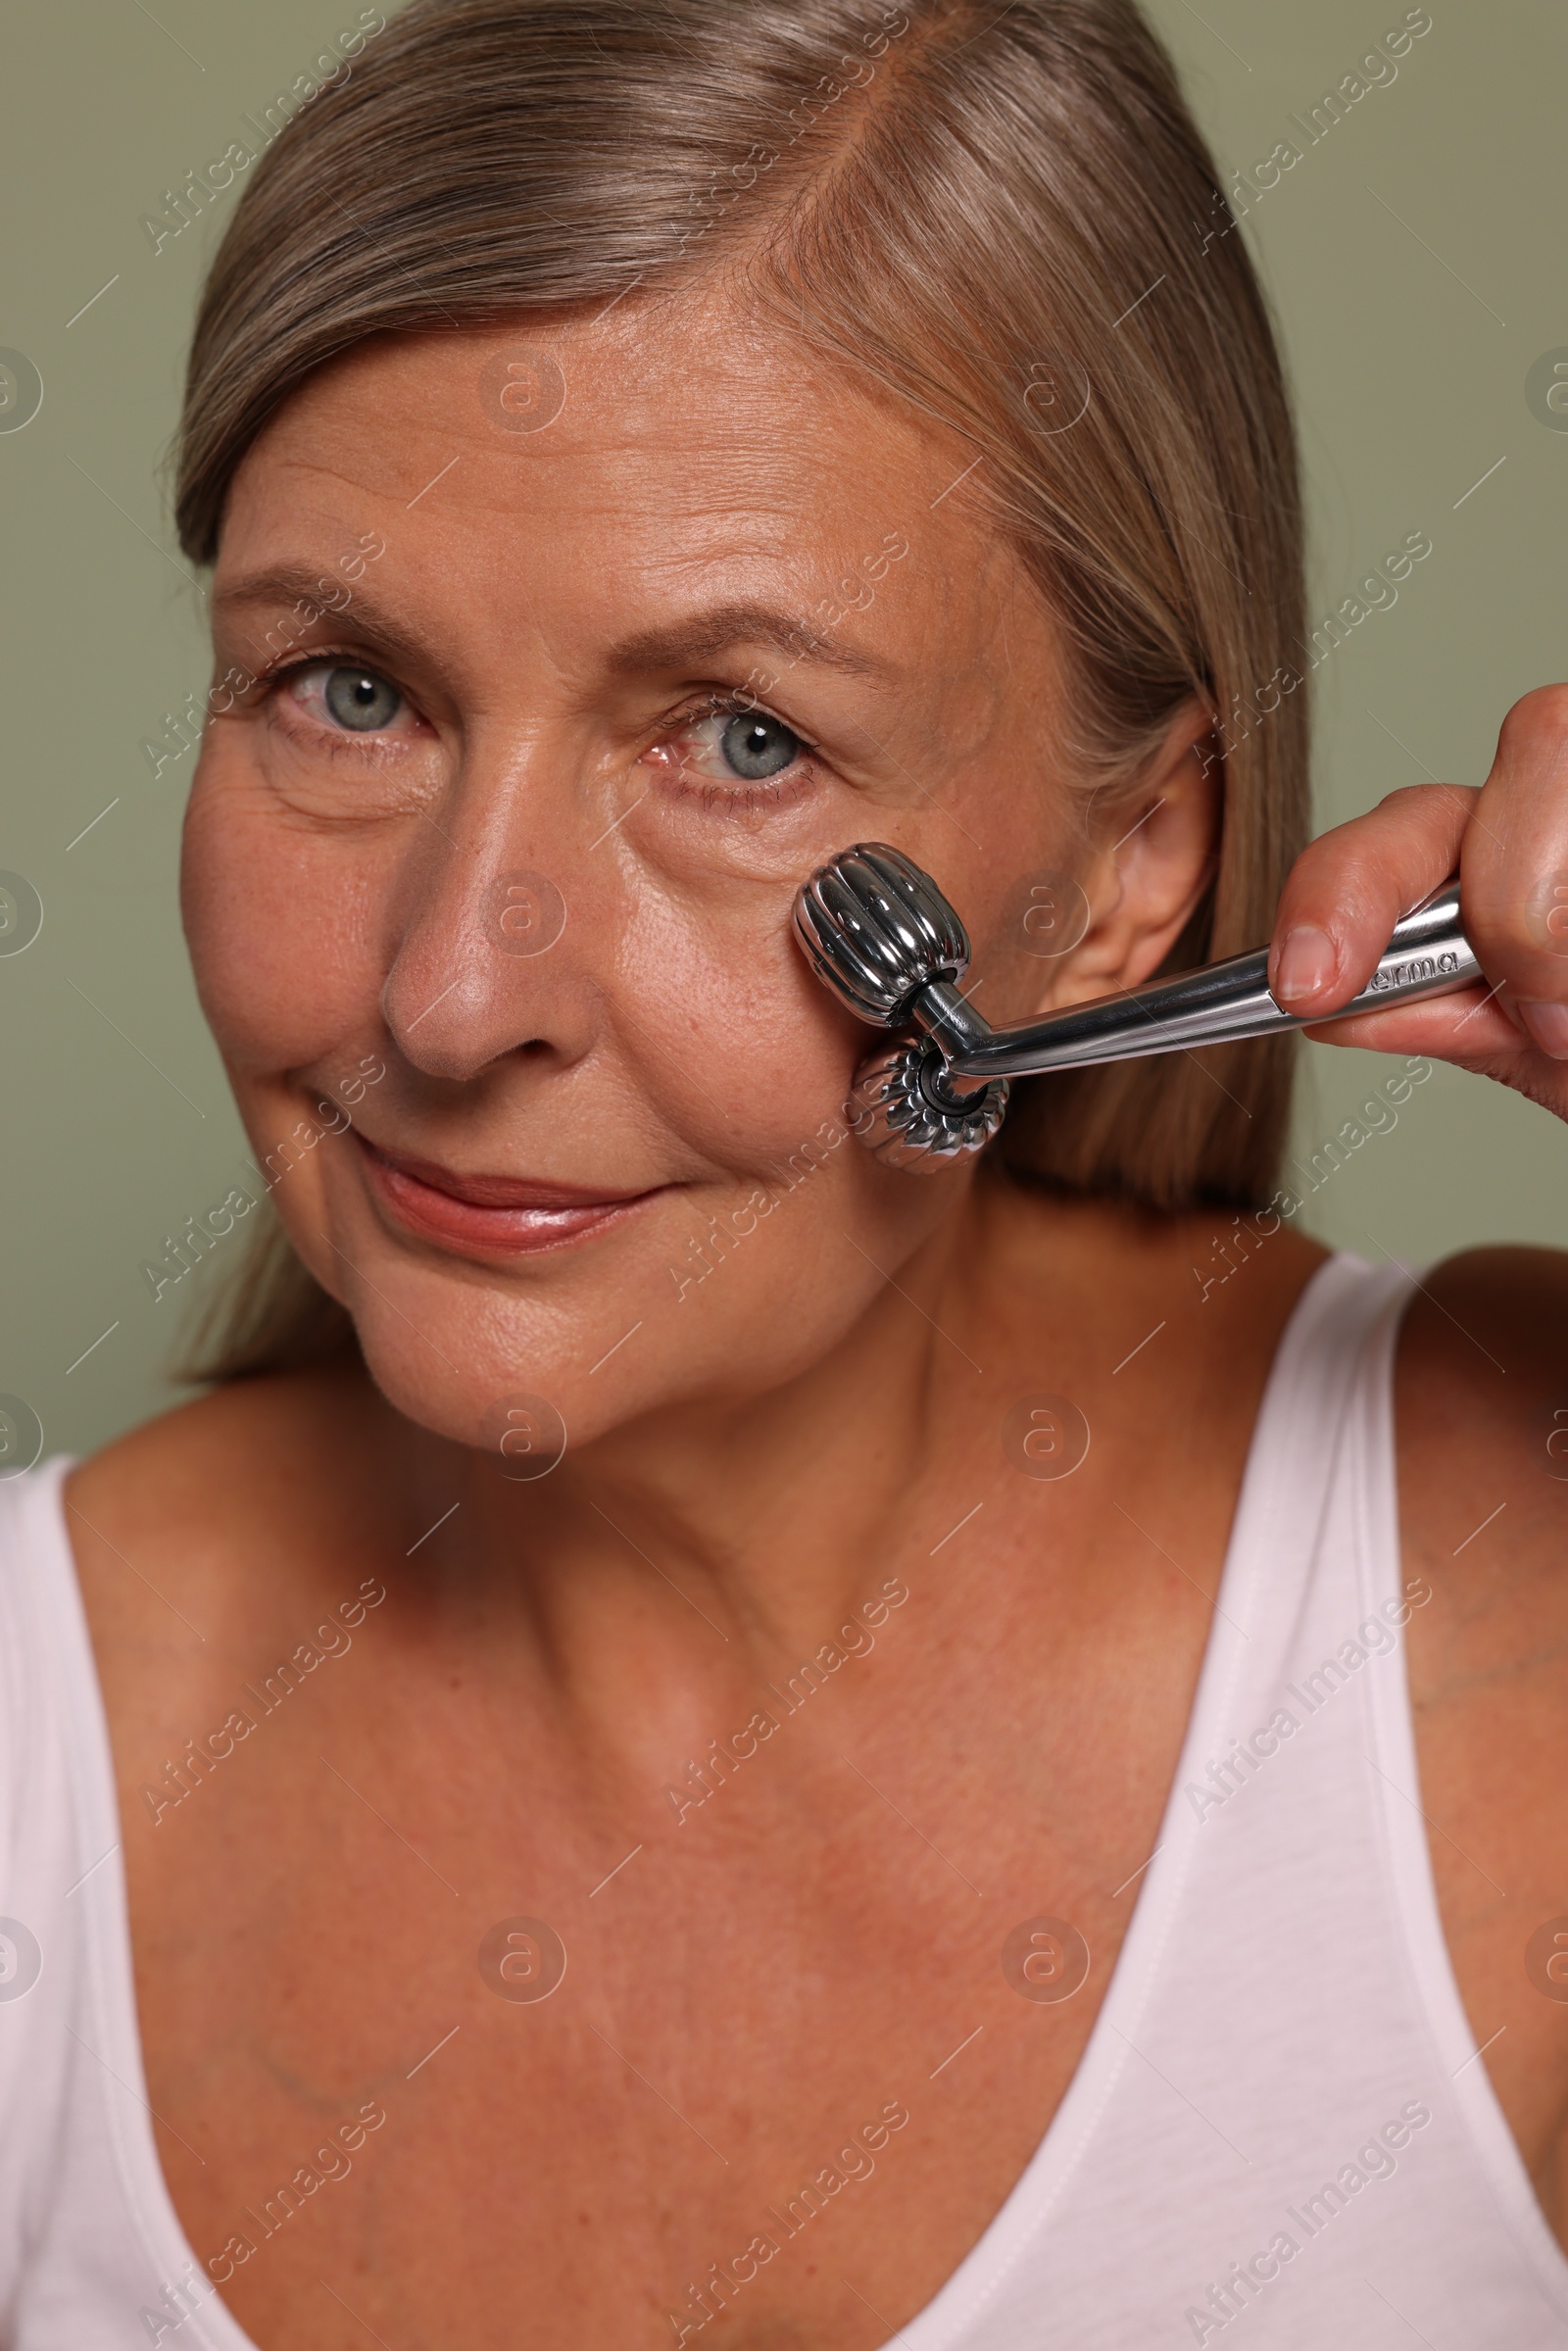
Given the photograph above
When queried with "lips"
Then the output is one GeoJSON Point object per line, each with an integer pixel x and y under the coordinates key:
{"type": "Point", "coordinates": [490, 1215]}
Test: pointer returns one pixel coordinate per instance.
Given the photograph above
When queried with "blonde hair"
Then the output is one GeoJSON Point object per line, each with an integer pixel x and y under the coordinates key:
{"type": "Point", "coordinates": [1004, 216]}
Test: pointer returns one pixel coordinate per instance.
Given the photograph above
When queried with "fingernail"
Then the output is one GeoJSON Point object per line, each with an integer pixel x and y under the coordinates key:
{"type": "Point", "coordinates": [1547, 1024]}
{"type": "Point", "coordinates": [1306, 963]}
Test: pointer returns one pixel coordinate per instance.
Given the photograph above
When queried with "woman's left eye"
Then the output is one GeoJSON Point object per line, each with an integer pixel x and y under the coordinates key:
{"type": "Point", "coordinates": [345, 696]}
{"type": "Point", "coordinates": [745, 747]}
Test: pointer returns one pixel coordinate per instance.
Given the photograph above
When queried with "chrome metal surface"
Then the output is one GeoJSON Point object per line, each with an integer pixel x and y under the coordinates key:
{"type": "Point", "coordinates": [905, 1109]}
{"type": "Point", "coordinates": [878, 932]}
{"type": "Point", "coordinates": [1428, 954]}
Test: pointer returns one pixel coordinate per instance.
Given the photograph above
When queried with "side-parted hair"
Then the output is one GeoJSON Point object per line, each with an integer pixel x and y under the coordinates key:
{"type": "Point", "coordinates": [1004, 216]}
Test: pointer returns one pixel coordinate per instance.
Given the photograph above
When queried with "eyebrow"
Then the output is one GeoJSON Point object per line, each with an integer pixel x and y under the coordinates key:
{"type": "Point", "coordinates": [680, 645]}
{"type": "Point", "coordinates": [688, 643]}
{"type": "Point", "coordinates": [287, 584]}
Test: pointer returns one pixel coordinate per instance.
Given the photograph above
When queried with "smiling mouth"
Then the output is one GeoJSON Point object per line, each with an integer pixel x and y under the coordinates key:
{"type": "Point", "coordinates": [490, 1215]}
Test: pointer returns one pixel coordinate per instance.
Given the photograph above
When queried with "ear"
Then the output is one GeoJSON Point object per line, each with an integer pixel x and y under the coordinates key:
{"type": "Point", "coordinates": [1152, 854]}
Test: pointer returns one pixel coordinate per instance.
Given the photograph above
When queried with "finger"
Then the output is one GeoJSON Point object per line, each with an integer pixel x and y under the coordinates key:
{"type": "Point", "coordinates": [1468, 1028]}
{"type": "Point", "coordinates": [1348, 889]}
{"type": "Point", "coordinates": [1515, 869]}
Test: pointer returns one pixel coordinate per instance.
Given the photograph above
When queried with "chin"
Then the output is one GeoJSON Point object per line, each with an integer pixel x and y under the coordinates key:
{"type": "Point", "coordinates": [516, 1317]}
{"type": "Point", "coordinates": [524, 1373]}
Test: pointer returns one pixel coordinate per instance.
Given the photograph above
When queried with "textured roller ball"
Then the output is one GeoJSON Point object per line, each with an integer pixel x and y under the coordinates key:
{"type": "Point", "coordinates": [876, 930]}
{"type": "Point", "coordinates": [905, 1112]}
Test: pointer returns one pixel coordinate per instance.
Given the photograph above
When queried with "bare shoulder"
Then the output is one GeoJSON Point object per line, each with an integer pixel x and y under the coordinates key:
{"type": "Point", "coordinates": [231, 1453]}
{"type": "Point", "coordinates": [1481, 1418]}
{"type": "Point", "coordinates": [189, 1522]}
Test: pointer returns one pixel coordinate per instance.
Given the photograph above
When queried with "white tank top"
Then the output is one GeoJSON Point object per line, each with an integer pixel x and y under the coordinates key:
{"type": "Point", "coordinates": [1279, 2133]}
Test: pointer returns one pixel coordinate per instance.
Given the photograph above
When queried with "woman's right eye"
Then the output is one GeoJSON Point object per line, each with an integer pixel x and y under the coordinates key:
{"type": "Point", "coordinates": [346, 695]}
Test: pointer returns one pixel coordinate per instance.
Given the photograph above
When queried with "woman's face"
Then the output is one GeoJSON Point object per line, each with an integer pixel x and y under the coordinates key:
{"type": "Point", "coordinates": [578, 648]}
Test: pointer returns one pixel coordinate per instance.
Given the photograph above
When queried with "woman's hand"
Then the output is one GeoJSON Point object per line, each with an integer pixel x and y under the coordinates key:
{"type": "Point", "coordinates": [1510, 841]}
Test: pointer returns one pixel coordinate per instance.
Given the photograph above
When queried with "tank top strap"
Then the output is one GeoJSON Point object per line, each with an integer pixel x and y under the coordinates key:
{"type": "Point", "coordinates": [1314, 1544]}
{"type": "Point", "coordinates": [91, 2250]}
{"type": "Point", "coordinates": [1279, 2131]}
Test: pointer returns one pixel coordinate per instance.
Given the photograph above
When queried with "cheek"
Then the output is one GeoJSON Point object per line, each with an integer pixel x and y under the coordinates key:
{"type": "Point", "coordinates": [753, 1054]}
{"type": "Point", "coordinates": [281, 929]}
{"type": "Point", "coordinates": [1025, 912]}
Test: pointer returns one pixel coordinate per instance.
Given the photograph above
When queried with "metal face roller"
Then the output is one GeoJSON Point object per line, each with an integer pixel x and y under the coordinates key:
{"type": "Point", "coordinates": [879, 933]}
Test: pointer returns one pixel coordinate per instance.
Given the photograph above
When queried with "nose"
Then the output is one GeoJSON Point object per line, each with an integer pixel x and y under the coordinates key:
{"type": "Point", "coordinates": [493, 926]}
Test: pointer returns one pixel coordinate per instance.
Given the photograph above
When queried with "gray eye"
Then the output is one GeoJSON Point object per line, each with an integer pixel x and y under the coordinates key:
{"type": "Point", "coordinates": [757, 746]}
{"type": "Point", "coordinates": [361, 700]}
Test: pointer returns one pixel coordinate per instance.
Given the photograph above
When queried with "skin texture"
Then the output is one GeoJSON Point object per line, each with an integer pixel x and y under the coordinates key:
{"type": "Point", "coordinates": [799, 1437]}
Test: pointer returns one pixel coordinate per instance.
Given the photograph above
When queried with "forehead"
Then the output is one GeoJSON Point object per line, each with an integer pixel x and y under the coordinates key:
{"type": "Point", "coordinates": [678, 423]}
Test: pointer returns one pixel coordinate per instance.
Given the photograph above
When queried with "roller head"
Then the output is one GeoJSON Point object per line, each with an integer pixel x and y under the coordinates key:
{"type": "Point", "coordinates": [876, 930]}
{"type": "Point", "coordinates": [907, 1112]}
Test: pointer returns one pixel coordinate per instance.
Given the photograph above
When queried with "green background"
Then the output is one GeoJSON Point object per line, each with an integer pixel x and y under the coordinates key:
{"type": "Point", "coordinates": [1415, 260]}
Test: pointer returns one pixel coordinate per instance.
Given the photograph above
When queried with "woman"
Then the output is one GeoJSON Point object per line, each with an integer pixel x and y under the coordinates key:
{"type": "Point", "coordinates": [699, 1732]}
